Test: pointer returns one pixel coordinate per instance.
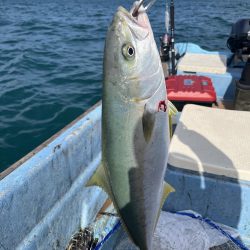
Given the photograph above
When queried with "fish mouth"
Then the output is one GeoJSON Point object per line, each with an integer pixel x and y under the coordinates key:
{"type": "Point", "coordinates": [122, 12]}
{"type": "Point", "coordinates": [137, 26]}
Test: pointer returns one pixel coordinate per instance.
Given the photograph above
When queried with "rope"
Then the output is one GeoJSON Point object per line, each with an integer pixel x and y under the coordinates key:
{"type": "Point", "coordinates": [115, 228]}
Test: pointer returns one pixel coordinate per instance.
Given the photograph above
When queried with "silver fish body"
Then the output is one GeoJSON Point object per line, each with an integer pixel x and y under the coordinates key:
{"type": "Point", "coordinates": [135, 133]}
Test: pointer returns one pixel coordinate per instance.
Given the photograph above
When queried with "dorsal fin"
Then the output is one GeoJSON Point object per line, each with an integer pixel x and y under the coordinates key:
{"type": "Point", "coordinates": [99, 179]}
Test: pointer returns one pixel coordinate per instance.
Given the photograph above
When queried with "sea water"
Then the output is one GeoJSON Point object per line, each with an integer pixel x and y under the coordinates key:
{"type": "Point", "coordinates": [51, 56]}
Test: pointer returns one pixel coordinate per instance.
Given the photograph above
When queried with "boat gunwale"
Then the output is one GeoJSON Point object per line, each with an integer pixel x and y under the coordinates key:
{"type": "Point", "coordinates": [36, 150]}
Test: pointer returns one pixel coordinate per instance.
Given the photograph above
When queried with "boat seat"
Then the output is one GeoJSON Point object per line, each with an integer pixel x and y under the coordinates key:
{"type": "Point", "coordinates": [212, 141]}
{"type": "Point", "coordinates": [205, 63]}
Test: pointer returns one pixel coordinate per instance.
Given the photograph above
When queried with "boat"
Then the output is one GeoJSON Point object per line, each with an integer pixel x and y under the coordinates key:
{"type": "Point", "coordinates": [44, 201]}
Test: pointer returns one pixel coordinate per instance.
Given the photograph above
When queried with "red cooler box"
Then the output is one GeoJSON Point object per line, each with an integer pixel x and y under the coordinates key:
{"type": "Point", "coordinates": [184, 89]}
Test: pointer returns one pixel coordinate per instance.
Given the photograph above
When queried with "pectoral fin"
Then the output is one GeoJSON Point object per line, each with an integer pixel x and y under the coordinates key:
{"type": "Point", "coordinates": [148, 121]}
{"type": "Point", "coordinates": [99, 179]}
{"type": "Point", "coordinates": [172, 111]}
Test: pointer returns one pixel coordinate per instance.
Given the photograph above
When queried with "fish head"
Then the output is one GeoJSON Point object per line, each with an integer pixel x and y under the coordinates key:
{"type": "Point", "coordinates": [131, 60]}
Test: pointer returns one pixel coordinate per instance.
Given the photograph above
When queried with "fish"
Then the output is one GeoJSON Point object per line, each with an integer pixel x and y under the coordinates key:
{"type": "Point", "coordinates": [135, 125]}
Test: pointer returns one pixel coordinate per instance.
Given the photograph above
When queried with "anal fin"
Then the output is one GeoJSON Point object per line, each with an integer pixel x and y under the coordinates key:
{"type": "Point", "coordinates": [167, 189]}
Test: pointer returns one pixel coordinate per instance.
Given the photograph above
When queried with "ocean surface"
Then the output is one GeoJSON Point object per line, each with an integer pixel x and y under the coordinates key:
{"type": "Point", "coordinates": [51, 56]}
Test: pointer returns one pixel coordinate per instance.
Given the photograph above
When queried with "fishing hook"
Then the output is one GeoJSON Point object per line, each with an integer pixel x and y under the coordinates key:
{"type": "Point", "coordinates": [147, 6]}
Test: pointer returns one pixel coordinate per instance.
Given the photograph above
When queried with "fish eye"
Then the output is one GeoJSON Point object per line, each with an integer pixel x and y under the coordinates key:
{"type": "Point", "coordinates": [131, 51]}
{"type": "Point", "coordinates": [128, 51]}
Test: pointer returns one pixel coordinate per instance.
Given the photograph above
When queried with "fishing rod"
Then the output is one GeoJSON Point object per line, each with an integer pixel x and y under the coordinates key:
{"type": "Point", "coordinates": [173, 66]}
{"type": "Point", "coordinates": [168, 53]}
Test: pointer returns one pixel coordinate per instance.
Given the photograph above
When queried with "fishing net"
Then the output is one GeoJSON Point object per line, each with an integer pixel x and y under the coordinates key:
{"type": "Point", "coordinates": [185, 230]}
{"type": "Point", "coordinates": [83, 240]}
